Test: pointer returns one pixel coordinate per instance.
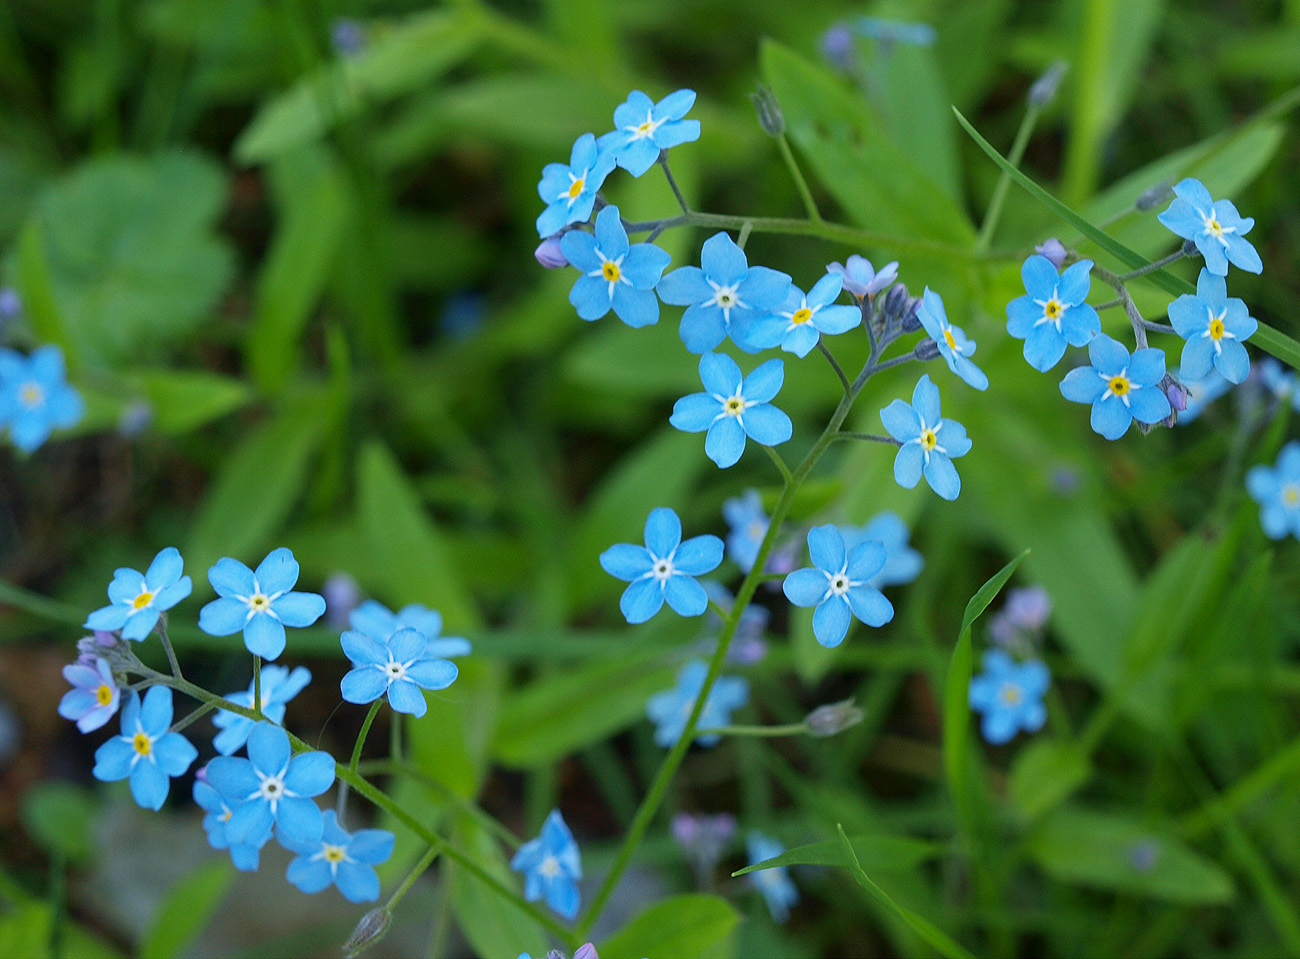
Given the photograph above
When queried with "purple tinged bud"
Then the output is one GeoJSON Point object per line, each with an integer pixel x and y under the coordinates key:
{"type": "Point", "coordinates": [896, 301]}
{"type": "Point", "coordinates": [555, 954]}
{"type": "Point", "coordinates": [703, 839]}
{"type": "Point", "coordinates": [1054, 250]}
{"type": "Point", "coordinates": [1177, 396]}
{"type": "Point", "coordinates": [837, 47]}
{"type": "Point", "coordinates": [342, 596]}
{"type": "Point", "coordinates": [1044, 89]}
{"type": "Point", "coordinates": [549, 254]}
{"type": "Point", "coordinates": [587, 951]}
{"type": "Point", "coordinates": [927, 349]}
{"type": "Point", "coordinates": [372, 927]}
{"type": "Point", "coordinates": [833, 718]}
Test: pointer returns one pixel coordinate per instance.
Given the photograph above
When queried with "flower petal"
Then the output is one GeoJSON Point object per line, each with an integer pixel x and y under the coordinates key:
{"type": "Point", "coordinates": [831, 621]}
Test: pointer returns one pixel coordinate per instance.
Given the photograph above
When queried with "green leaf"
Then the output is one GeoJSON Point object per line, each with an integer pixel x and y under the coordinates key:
{"type": "Point", "coordinates": [494, 925]}
{"type": "Point", "coordinates": [877, 852]}
{"type": "Point", "coordinates": [687, 925]}
{"type": "Point", "coordinates": [188, 908]}
{"type": "Point", "coordinates": [1045, 774]}
{"type": "Point", "coordinates": [451, 743]}
{"type": "Point", "coordinates": [25, 931]}
{"type": "Point", "coordinates": [60, 816]}
{"type": "Point", "coordinates": [184, 400]}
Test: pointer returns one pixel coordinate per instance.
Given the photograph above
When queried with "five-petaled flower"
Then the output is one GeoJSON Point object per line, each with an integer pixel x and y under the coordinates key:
{"type": "Point", "coordinates": [341, 859]}
{"type": "Point", "coordinates": [1009, 695]}
{"type": "Point", "coordinates": [733, 407]}
{"type": "Point", "coordinates": [260, 603]}
{"type": "Point", "coordinates": [929, 442]}
{"type": "Point", "coordinates": [551, 866]}
{"type": "Point", "coordinates": [642, 128]}
{"type": "Point", "coordinates": [837, 584]}
{"type": "Point", "coordinates": [1277, 491]}
{"type": "Point", "coordinates": [138, 600]}
{"type": "Point", "coordinates": [799, 322]}
{"type": "Point", "coordinates": [1215, 226]}
{"type": "Point", "coordinates": [861, 279]}
{"type": "Point", "coordinates": [245, 855]}
{"type": "Point", "coordinates": [670, 709]}
{"type": "Point", "coordinates": [35, 399]}
{"type": "Point", "coordinates": [774, 882]}
{"type": "Point", "coordinates": [664, 569]}
{"type": "Point", "coordinates": [570, 191]}
{"type": "Point", "coordinates": [1120, 388]}
{"type": "Point", "coordinates": [400, 667]}
{"type": "Point", "coordinates": [1214, 326]}
{"type": "Point", "coordinates": [94, 697]}
{"type": "Point", "coordinates": [146, 754]}
{"type": "Point", "coordinates": [615, 275]}
{"type": "Point", "coordinates": [748, 523]}
{"type": "Point", "coordinates": [952, 342]}
{"type": "Point", "coordinates": [1052, 312]}
{"type": "Point", "coordinates": [902, 563]}
{"type": "Point", "coordinates": [279, 685]}
{"type": "Point", "coordinates": [379, 622]}
{"type": "Point", "coordinates": [724, 289]}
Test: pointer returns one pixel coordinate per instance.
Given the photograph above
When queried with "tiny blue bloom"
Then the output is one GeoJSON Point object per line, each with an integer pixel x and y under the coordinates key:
{"type": "Point", "coordinates": [614, 274]}
{"type": "Point", "coordinates": [837, 584]}
{"type": "Point", "coordinates": [861, 279]}
{"type": "Point", "coordinates": [733, 407]}
{"type": "Point", "coordinates": [146, 754]}
{"type": "Point", "coordinates": [774, 883]}
{"type": "Point", "coordinates": [1216, 228]}
{"type": "Point", "coordinates": [570, 191]}
{"type": "Point", "coordinates": [279, 685]}
{"type": "Point", "coordinates": [138, 600]}
{"type": "Point", "coordinates": [1279, 381]}
{"type": "Point", "coordinates": [902, 563]}
{"type": "Point", "coordinates": [1214, 326]}
{"type": "Point", "coordinates": [1009, 695]}
{"type": "Point", "coordinates": [35, 399]}
{"type": "Point", "coordinates": [1052, 312]}
{"type": "Point", "coordinates": [261, 604]}
{"type": "Point", "coordinates": [1277, 491]}
{"type": "Point", "coordinates": [930, 443]}
{"type": "Point", "coordinates": [272, 787]}
{"type": "Point", "coordinates": [94, 697]}
{"type": "Point", "coordinates": [1121, 389]}
{"type": "Point", "coordinates": [400, 667]}
{"type": "Point", "coordinates": [642, 128]}
{"type": "Point", "coordinates": [341, 859]}
{"type": "Point", "coordinates": [1201, 393]}
{"type": "Point", "coordinates": [664, 569]}
{"type": "Point", "coordinates": [747, 643]}
{"type": "Point", "coordinates": [748, 523]}
{"type": "Point", "coordinates": [953, 345]}
{"type": "Point", "coordinates": [722, 290]}
{"type": "Point", "coordinates": [378, 622]}
{"type": "Point", "coordinates": [219, 809]}
{"type": "Point", "coordinates": [800, 321]}
{"type": "Point", "coordinates": [670, 709]}
{"type": "Point", "coordinates": [551, 866]}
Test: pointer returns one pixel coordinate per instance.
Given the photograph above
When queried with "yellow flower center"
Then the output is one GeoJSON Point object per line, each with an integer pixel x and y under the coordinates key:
{"type": "Point", "coordinates": [802, 315]}
{"type": "Point", "coordinates": [1214, 227]}
{"type": "Point", "coordinates": [1216, 329]}
{"type": "Point", "coordinates": [609, 269]}
{"type": "Point", "coordinates": [1010, 694]}
{"type": "Point", "coordinates": [143, 600]}
{"type": "Point", "coordinates": [575, 188]}
{"type": "Point", "coordinates": [1291, 495]}
{"type": "Point", "coordinates": [142, 743]}
{"type": "Point", "coordinates": [259, 602]}
{"type": "Point", "coordinates": [30, 395]}
{"type": "Point", "coordinates": [104, 694]}
{"type": "Point", "coordinates": [947, 336]}
{"type": "Point", "coordinates": [335, 853]}
{"type": "Point", "coordinates": [928, 440]}
{"type": "Point", "coordinates": [1053, 309]}
{"type": "Point", "coordinates": [734, 406]}
{"type": "Point", "coordinates": [646, 128]}
{"type": "Point", "coordinates": [1119, 385]}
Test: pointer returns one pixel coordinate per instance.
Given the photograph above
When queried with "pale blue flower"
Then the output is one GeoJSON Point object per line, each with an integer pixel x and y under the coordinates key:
{"type": "Point", "coordinates": [1214, 326]}
{"type": "Point", "coordinates": [861, 279]}
{"type": "Point", "coordinates": [838, 585]}
{"type": "Point", "coordinates": [570, 191]}
{"type": "Point", "coordinates": [379, 622]}
{"type": "Point", "coordinates": [733, 407]}
{"type": "Point", "coordinates": [138, 600]}
{"type": "Point", "coordinates": [1279, 380]}
{"type": "Point", "coordinates": [279, 685]}
{"type": "Point", "coordinates": [902, 563]}
{"type": "Point", "coordinates": [245, 855]}
{"type": "Point", "coordinates": [1052, 313]}
{"type": "Point", "coordinates": [400, 667]}
{"type": "Point", "coordinates": [341, 859]}
{"type": "Point", "coordinates": [260, 604]}
{"type": "Point", "coordinates": [664, 569]}
{"type": "Point", "coordinates": [1120, 388]}
{"type": "Point", "coordinates": [1216, 228]}
{"type": "Point", "coordinates": [1201, 393]}
{"type": "Point", "coordinates": [615, 275]}
{"type": "Point", "coordinates": [800, 321]}
{"type": "Point", "coordinates": [146, 754]}
{"type": "Point", "coordinates": [953, 345]}
{"type": "Point", "coordinates": [1009, 695]}
{"type": "Point", "coordinates": [642, 128]}
{"type": "Point", "coordinates": [1277, 491]}
{"type": "Point", "coordinates": [35, 399]}
{"type": "Point", "coordinates": [670, 709]}
{"type": "Point", "coordinates": [94, 697]}
{"type": "Point", "coordinates": [748, 524]}
{"type": "Point", "coordinates": [552, 866]}
{"type": "Point", "coordinates": [774, 883]}
{"type": "Point", "coordinates": [929, 442]}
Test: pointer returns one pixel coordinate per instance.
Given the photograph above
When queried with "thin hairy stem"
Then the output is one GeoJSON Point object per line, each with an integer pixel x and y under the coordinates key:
{"type": "Point", "coordinates": [161, 630]}
{"type": "Point", "coordinates": [365, 731]}
{"type": "Point", "coordinates": [775, 457]}
{"type": "Point", "coordinates": [1116, 283]}
{"type": "Point", "coordinates": [425, 862]}
{"type": "Point", "coordinates": [193, 717]}
{"type": "Point", "coordinates": [835, 365]}
{"type": "Point", "coordinates": [672, 182]}
{"type": "Point", "coordinates": [805, 194]}
{"type": "Point", "coordinates": [789, 729]}
{"type": "Point", "coordinates": [1160, 264]}
{"type": "Point", "coordinates": [868, 437]}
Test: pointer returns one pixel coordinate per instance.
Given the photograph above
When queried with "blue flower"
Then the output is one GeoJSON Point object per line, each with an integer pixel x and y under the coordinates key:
{"type": "Point", "coordinates": [800, 321]}
{"type": "Point", "coordinates": [551, 866]}
{"type": "Point", "coordinates": [896, 31]}
{"type": "Point", "coordinates": [272, 787]}
{"type": "Point", "coordinates": [94, 697]}
{"type": "Point", "coordinates": [570, 191]}
{"type": "Point", "coordinates": [642, 128]}
{"type": "Point", "coordinates": [146, 754]}
{"type": "Point", "coordinates": [378, 622]}
{"type": "Point", "coordinates": [219, 809]}
{"type": "Point", "coordinates": [670, 709]}
{"type": "Point", "coordinates": [1009, 695]}
{"type": "Point", "coordinates": [1214, 327]}
{"type": "Point", "coordinates": [837, 584]}
{"type": "Point", "coordinates": [747, 643]}
{"type": "Point", "coordinates": [1121, 389]}
{"type": "Point", "coordinates": [1052, 312]}
{"type": "Point", "coordinates": [1216, 228]}
{"type": "Point", "coordinates": [614, 274]}
{"type": "Point", "coordinates": [34, 397]}
{"type": "Point", "coordinates": [1200, 393]}
{"type": "Point", "coordinates": [902, 563]}
{"type": "Point", "coordinates": [861, 279]}
{"type": "Point", "coordinates": [400, 667]}
{"type": "Point", "coordinates": [137, 600]}
{"type": "Point", "coordinates": [722, 290]}
{"type": "Point", "coordinates": [774, 883]}
{"type": "Point", "coordinates": [748, 523]}
{"type": "Point", "coordinates": [930, 443]}
{"type": "Point", "coordinates": [1277, 491]}
{"type": "Point", "coordinates": [733, 407]}
{"type": "Point", "coordinates": [953, 345]}
{"type": "Point", "coordinates": [664, 569]}
{"type": "Point", "coordinates": [279, 685]}
{"type": "Point", "coordinates": [341, 859]}
{"type": "Point", "coordinates": [1278, 380]}
{"type": "Point", "coordinates": [261, 604]}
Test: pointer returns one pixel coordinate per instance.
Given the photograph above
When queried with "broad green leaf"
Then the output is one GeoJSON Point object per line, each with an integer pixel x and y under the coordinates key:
{"type": "Point", "coordinates": [35, 286]}
{"type": "Point", "coordinates": [60, 816]}
{"type": "Point", "coordinates": [25, 932]}
{"type": "Point", "coordinates": [1045, 774]}
{"type": "Point", "coordinates": [881, 853]}
{"type": "Point", "coordinates": [188, 908]}
{"type": "Point", "coordinates": [450, 744]}
{"type": "Point", "coordinates": [919, 120]}
{"type": "Point", "coordinates": [184, 400]}
{"type": "Point", "coordinates": [687, 925]}
{"type": "Point", "coordinates": [494, 925]}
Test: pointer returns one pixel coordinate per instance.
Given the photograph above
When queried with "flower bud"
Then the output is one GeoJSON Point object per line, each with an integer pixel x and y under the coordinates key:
{"type": "Point", "coordinates": [372, 927]}
{"type": "Point", "coordinates": [1154, 196]}
{"type": "Point", "coordinates": [587, 951]}
{"type": "Point", "coordinates": [1054, 250]}
{"type": "Point", "coordinates": [833, 718]}
{"type": "Point", "coordinates": [549, 254]}
{"type": "Point", "coordinates": [770, 117]}
{"type": "Point", "coordinates": [348, 36]}
{"type": "Point", "coordinates": [135, 419]}
{"type": "Point", "coordinates": [1143, 855]}
{"type": "Point", "coordinates": [11, 304]}
{"type": "Point", "coordinates": [837, 47]}
{"type": "Point", "coordinates": [1044, 89]}
{"type": "Point", "coordinates": [895, 301]}
{"type": "Point", "coordinates": [927, 349]}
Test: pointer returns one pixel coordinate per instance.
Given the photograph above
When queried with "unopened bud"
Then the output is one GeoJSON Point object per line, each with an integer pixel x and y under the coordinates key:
{"type": "Point", "coordinates": [1154, 196]}
{"type": "Point", "coordinates": [1177, 395]}
{"type": "Point", "coordinates": [1054, 250]}
{"type": "Point", "coordinates": [135, 419]}
{"type": "Point", "coordinates": [549, 254]}
{"type": "Point", "coordinates": [770, 117]}
{"type": "Point", "coordinates": [833, 718]}
{"type": "Point", "coordinates": [1044, 89]}
{"type": "Point", "coordinates": [11, 304]}
{"type": "Point", "coordinates": [927, 349]}
{"type": "Point", "coordinates": [586, 952]}
{"type": "Point", "coordinates": [372, 927]}
{"type": "Point", "coordinates": [895, 301]}
{"type": "Point", "coordinates": [1190, 248]}
{"type": "Point", "coordinates": [837, 47]}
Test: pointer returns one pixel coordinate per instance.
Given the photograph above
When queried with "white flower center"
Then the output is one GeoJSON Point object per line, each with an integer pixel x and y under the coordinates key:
{"type": "Point", "coordinates": [645, 129]}
{"type": "Point", "coordinates": [549, 867]}
{"type": "Point", "coordinates": [839, 583]}
{"type": "Point", "coordinates": [725, 298]}
{"type": "Point", "coordinates": [734, 406]}
{"type": "Point", "coordinates": [31, 395]}
{"type": "Point", "coordinates": [662, 570]}
{"type": "Point", "coordinates": [271, 789]}
{"type": "Point", "coordinates": [395, 671]}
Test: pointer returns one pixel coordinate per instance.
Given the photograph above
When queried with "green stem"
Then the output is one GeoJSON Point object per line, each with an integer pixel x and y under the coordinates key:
{"type": "Point", "coordinates": [1116, 283]}
{"type": "Point", "coordinates": [161, 629]}
{"type": "Point", "coordinates": [365, 731]}
{"type": "Point", "coordinates": [1004, 182]}
{"type": "Point", "coordinates": [196, 714]}
{"type": "Point", "coordinates": [443, 792]}
{"type": "Point", "coordinates": [835, 365]}
{"type": "Point", "coordinates": [1160, 264]}
{"type": "Point", "coordinates": [800, 183]}
{"type": "Point", "coordinates": [425, 862]}
{"type": "Point", "coordinates": [780, 463]}
{"type": "Point", "coordinates": [870, 437]}
{"type": "Point", "coordinates": [257, 687]}
{"type": "Point", "coordinates": [789, 729]}
{"type": "Point", "coordinates": [672, 182]}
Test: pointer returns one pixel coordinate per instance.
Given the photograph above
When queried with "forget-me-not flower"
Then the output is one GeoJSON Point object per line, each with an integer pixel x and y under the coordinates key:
{"type": "Point", "coordinates": [94, 696]}
{"type": "Point", "coordinates": [664, 569]}
{"type": "Point", "coordinates": [861, 279]}
{"type": "Point", "coordinates": [747, 643]}
{"type": "Point", "coordinates": [570, 191]}
{"type": "Point", "coordinates": [1009, 695]}
{"type": "Point", "coordinates": [615, 274]}
{"type": "Point", "coordinates": [642, 128]}
{"type": "Point", "coordinates": [1120, 388]}
{"type": "Point", "coordinates": [837, 584]}
{"type": "Point", "coordinates": [138, 600]}
{"type": "Point", "coordinates": [551, 866]}
{"type": "Point", "coordinates": [1280, 381]}
{"type": "Point", "coordinates": [748, 524]}
{"type": "Point", "coordinates": [1216, 228]}
{"type": "Point", "coordinates": [799, 322]}
{"type": "Point", "coordinates": [952, 342]}
{"type": "Point", "coordinates": [902, 563]}
{"type": "Point", "coordinates": [929, 442]}
{"type": "Point", "coordinates": [245, 855]}
{"type": "Point", "coordinates": [670, 709]}
{"type": "Point", "coordinates": [724, 289]}
{"type": "Point", "coordinates": [400, 667]}
{"type": "Point", "coordinates": [775, 884]}
{"type": "Point", "coordinates": [279, 685]}
{"type": "Point", "coordinates": [733, 407]}
{"type": "Point", "coordinates": [341, 859]}
{"type": "Point", "coordinates": [35, 399]}
{"type": "Point", "coordinates": [1277, 491]}
{"type": "Point", "coordinates": [1052, 312]}
{"type": "Point", "coordinates": [1214, 326]}
{"type": "Point", "coordinates": [260, 603]}
{"type": "Point", "coordinates": [146, 754]}
{"type": "Point", "coordinates": [379, 622]}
